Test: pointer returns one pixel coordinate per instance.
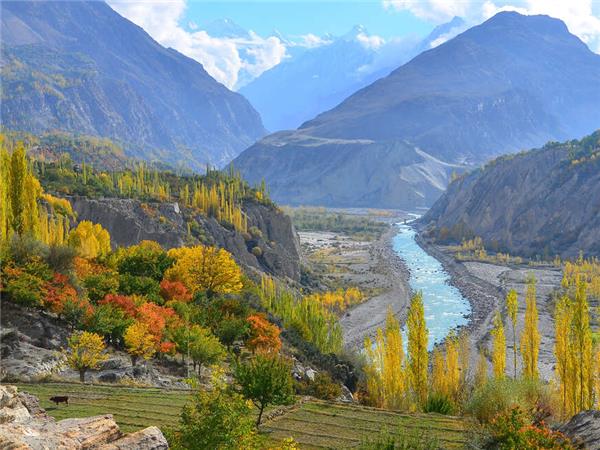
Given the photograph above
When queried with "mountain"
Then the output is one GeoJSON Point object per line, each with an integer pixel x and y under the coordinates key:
{"type": "Point", "coordinates": [510, 83]}
{"type": "Point", "coordinates": [80, 67]}
{"type": "Point", "coordinates": [544, 202]}
{"type": "Point", "coordinates": [325, 75]}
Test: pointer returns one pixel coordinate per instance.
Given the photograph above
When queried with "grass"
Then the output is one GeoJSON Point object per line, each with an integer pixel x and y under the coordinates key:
{"type": "Point", "coordinates": [315, 424]}
{"type": "Point", "coordinates": [133, 408]}
{"type": "Point", "coordinates": [318, 424]}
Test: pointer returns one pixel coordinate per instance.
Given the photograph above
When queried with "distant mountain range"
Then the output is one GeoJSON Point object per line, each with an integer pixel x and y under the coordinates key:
{"type": "Point", "coordinates": [314, 80]}
{"type": "Point", "coordinates": [511, 83]}
{"type": "Point", "coordinates": [543, 203]}
{"type": "Point", "coordinates": [80, 67]}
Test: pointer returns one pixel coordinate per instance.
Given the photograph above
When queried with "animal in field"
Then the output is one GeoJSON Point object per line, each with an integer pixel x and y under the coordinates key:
{"type": "Point", "coordinates": [60, 399]}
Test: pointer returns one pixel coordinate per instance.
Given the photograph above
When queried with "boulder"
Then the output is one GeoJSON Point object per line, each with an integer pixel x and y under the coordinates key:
{"type": "Point", "coordinates": [24, 425]}
{"type": "Point", "coordinates": [584, 429]}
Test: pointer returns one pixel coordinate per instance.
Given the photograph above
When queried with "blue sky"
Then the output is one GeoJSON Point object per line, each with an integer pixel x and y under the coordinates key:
{"type": "Point", "coordinates": [296, 18]}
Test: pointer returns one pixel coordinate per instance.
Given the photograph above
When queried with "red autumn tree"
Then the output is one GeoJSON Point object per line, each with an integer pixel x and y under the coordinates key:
{"type": "Point", "coordinates": [174, 291]}
{"type": "Point", "coordinates": [123, 302]}
{"type": "Point", "coordinates": [59, 292]}
{"type": "Point", "coordinates": [264, 336]}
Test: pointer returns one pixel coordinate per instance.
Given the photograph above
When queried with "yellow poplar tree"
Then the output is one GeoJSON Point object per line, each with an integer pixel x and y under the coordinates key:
{"type": "Point", "coordinates": [564, 359]}
{"type": "Point", "coordinates": [438, 372]}
{"type": "Point", "coordinates": [582, 347]}
{"type": "Point", "coordinates": [498, 347]}
{"type": "Point", "coordinates": [452, 366]}
{"type": "Point", "coordinates": [481, 375]}
{"type": "Point", "coordinates": [89, 239]}
{"type": "Point", "coordinates": [464, 356]}
{"type": "Point", "coordinates": [393, 370]}
{"type": "Point", "coordinates": [530, 339]}
{"type": "Point", "coordinates": [418, 357]}
{"type": "Point", "coordinates": [512, 307]}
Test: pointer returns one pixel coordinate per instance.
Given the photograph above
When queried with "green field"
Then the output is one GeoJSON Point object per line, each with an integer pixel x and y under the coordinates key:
{"type": "Point", "coordinates": [314, 424]}
{"type": "Point", "coordinates": [318, 424]}
{"type": "Point", "coordinates": [132, 408]}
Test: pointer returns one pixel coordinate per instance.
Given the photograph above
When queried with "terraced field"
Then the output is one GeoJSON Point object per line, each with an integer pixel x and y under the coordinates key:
{"type": "Point", "coordinates": [132, 408]}
{"type": "Point", "coordinates": [317, 424]}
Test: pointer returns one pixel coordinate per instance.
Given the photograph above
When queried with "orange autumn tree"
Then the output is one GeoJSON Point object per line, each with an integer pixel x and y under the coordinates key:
{"type": "Point", "coordinates": [174, 291]}
{"type": "Point", "coordinates": [264, 336]}
{"type": "Point", "coordinates": [205, 269]}
{"type": "Point", "coordinates": [58, 293]}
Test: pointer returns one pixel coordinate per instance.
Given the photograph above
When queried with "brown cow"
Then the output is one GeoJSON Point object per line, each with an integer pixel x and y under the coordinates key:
{"type": "Point", "coordinates": [60, 399]}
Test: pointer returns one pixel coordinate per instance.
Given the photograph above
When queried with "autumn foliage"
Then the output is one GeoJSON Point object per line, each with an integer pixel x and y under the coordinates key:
{"type": "Point", "coordinates": [264, 336]}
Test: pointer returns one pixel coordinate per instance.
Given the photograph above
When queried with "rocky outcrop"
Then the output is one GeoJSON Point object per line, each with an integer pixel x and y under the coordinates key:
{"type": "Point", "coordinates": [25, 426]}
{"type": "Point", "coordinates": [584, 429]}
{"type": "Point", "coordinates": [131, 221]}
{"type": "Point", "coordinates": [544, 202]}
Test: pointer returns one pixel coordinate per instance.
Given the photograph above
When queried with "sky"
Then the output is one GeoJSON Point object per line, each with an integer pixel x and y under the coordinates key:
{"type": "Point", "coordinates": [234, 60]}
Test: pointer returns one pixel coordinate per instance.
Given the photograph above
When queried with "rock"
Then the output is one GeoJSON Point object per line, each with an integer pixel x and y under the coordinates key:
{"type": "Point", "coordinates": [584, 429]}
{"type": "Point", "coordinates": [346, 396]}
{"type": "Point", "coordinates": [310, 374]}
{"type": "Point", "coordinates": [24, 425]}
{"type": "Point", "coordinates": [149, 438]}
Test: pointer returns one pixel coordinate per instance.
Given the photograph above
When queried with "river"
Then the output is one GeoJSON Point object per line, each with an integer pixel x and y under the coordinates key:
{"type": "Point", "coordinates": [445, 307]}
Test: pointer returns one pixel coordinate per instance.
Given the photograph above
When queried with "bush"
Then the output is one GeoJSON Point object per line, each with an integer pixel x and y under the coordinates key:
{"type": "Point", "coordinates": [23, 288]}
{"type": "Point", "coordinates": [140, 285]}
{"type": "Point", "coordinates": [322, 387]}
{"type": "Point", "coordinates": [255, 232]}
{"type": "Point", "coordinates": [257, 251]}
{"type": "Point", "coordinates": [99, 285]}
{"type": "Point", "coordinates": [60, 258]}
{"type": "Point", "coordinates": [513, 429]}
{"type": "Point", "coordinates": [499, 396]}
{"type": "Point", "coordinates": [439, 403]}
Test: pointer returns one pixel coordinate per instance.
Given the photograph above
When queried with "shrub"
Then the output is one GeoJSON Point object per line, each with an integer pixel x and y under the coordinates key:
{"type": "Point", "coordinates": [60, 258]}
{"type": "Point", "coordinates": [257, 251]}
{"type": "Point", "coordinates": [100, 285]}
{"type": "Point", "coordinates": [513, 429]}
{"type": "Point", "coordinates": [499, 396]}
{"type": "Point", "coordinates": [140, 285]}
{"type": "Point", "coordinates": [22, 287]}
{"type": "Point", "coordinates": [324, 387]}
{"type": "Point", "coordinates": [438, 403]}
{"type": "Point", "coordinates": [255, 232]}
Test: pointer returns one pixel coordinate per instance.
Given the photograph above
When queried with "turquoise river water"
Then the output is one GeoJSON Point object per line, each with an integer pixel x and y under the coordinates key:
{"type": "Point", "coordinates": [445, 307]}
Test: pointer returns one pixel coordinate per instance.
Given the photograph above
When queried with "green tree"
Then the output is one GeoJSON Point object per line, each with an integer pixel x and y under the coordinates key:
{"type": "Point", "coordinates": [18, 176]}
{"type": "Point", "coordinates": [218, 418]}
{"type": "Point", "coordinates": [204, 347]}
{"type": "Point", "coordinates": [266, 380]}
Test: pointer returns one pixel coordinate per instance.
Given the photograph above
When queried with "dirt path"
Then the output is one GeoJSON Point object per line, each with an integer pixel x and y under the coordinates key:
{"type": "Point", "coordinates": [364, 319]}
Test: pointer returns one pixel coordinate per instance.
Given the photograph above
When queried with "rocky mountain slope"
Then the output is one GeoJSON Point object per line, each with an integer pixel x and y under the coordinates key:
{"type": "Point", "coordinates": [130, 221]}
{"type": "Point", "coordinates": [543, 202]}
{"type": "Point", "coordinates": [81, 67]}
{"type": "Point", "coordinates": [24, 425]}
{"type": "Point", "coordinates": [510, 83]}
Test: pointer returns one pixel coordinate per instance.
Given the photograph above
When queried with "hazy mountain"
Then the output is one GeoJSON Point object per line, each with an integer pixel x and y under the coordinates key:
{"type": "Point", "coordinates": [544, 202]}
{"type": "Point", "coordinates": [510, 83]}
{"type": "Point", "coordinates": [81, 67]}
{"type": "Point", "coordinates": [314, 80]}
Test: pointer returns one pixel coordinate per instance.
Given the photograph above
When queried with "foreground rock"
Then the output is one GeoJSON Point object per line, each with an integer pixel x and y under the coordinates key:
{"type": "Point", "coordinates": [24, 425]}
{"type": "Point", "coordinates": [584, 429]}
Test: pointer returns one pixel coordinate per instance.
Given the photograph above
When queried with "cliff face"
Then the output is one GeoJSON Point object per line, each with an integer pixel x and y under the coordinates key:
{"type": "Point", "coordinates": [131, 221]}
{"type": "Point", "coordinates": [543, 202]}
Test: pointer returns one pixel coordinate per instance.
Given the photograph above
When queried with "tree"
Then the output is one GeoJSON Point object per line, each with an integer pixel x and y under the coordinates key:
{"type": "Point", "coordinates": [512, 307]}
{"type": "Point", "coordinates": [109, 321]}
{"type": "Point", "coordinates": [205, 269]}
{"type": "Point", "coordinates": [418, 336]}
{"type": "Point", "coordinates": [530, 340]}
{"type": "Point", "coordinates": [498, 347]}
{"type": "Point", "coordinates": [481, 375]}
{"type": "Point", "coordinates": [564, 358]}
{"type": "Point", "coordinates": [17, 180]}
{"type": "Point", "coordinates": [452, 367]}
{"type": "Point", "coordinates": [219, 418]}
{"type": "Point", "coordinates": [86, 351]}
{"type": "Point", "coordinates": [438, 373]}
{"type": "Point", "coordinates": [174, 291]}
{"type": "Point", "coordinates": [139, 342]}
{"type": "Point", "coordinates": [89, 239]}
{"type": "Point", "coordinates": [146, 259]}
{"type": "Point", "coordinates": [231, 329]}
{"type": "Point", "coordinates": [266, 380]}
{"type": "Point", "coordinates": [263, 335]}
{"type": "Point", "coordinates": [393, 374]}
{"type": "Point", "coordinates": [581, 348]}
{"type": "Point", "coordinates": [205, 347]}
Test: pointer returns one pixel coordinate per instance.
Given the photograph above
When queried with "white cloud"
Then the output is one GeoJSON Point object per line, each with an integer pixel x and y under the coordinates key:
{"type": "Point", "coordinates": [312, 41]}
{"type": "Point", "coordinates": [372, 42]}
{"type": "Point", "coordinates": [581, 16]}
{"type": "Point", "coordinates": [231, 61]}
